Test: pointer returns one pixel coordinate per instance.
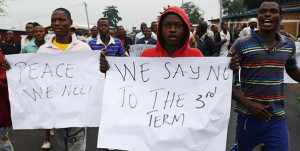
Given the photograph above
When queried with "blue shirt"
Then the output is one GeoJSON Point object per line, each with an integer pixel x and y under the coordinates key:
{"type": "Point", "coordinates": [114, 47]}
{"type": "Point", "coordinates": [30, 47]}
{"type": "Point", "coordinates": [262, 72]}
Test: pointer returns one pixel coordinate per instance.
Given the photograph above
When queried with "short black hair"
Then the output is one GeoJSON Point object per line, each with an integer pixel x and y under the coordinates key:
{"type": "Point", "coordinates": [67, 12]}
{"type": "Point", "coordinates": [103, 19]}
{"type": "Point", "coordinates": [275, 1]}
{"type": "Point", "coordinates": [35, 24]}
{"type": "Point", "coordinates": [29, 23]}
{"type": "Point", "coordinates": [223, 22]}
{"type": "Point", "coordinates": [202, 28]}
{"type": "Point", "coordinates": [10, 31]}
{"type": "Point", "coordinates": [119, 27]}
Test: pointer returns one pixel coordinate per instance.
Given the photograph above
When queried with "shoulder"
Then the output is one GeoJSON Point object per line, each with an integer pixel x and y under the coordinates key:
{"type": "Point", "coordinates": [83, 45]}
{"type": "Point", "coordinates": [149, 52]}
{"type": "Point", "coordinates": [193, 52]}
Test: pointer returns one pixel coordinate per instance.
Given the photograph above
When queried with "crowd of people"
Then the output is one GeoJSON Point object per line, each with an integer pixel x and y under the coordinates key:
{"type": "Point", "coordinates": [261, 54]}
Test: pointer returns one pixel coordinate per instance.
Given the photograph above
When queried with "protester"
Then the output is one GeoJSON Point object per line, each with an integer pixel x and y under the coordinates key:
{"type": "Point", "coordinates": [141, 35]}
{"type": "Point", "coordinates": [10, 46]}
{"type": "Point", "coordinates": [236, 34]}
{"type": "Point", "coordinates": [39, 34]}
{"type": "Point", "coordinates": [126, 41]}
{"type": "Point", "coordinates": [29, 37]}
{"type": "Point", "coordinates": [94, 33]}
{"type": "Point", "coordinates": [105, 42]}
{"type": "Point", "coordinates": [147, 39]}
{"type": "Point", "coordinates": [173, 36]}
{"type": "Point", "coordinates": [214, 29]}
{"type": "Point", "coordinates": [79, 33]}
{"type": "Point", "coordinates": [5, 119]}
{"type": "Point", "coordinates": [223, 40]}
{"type": "Point", "coordinates": [112, 33]}
{"type": "Point", "coordinates": [71, 139]}
{"type": "Point", "coordinates": [252, 26]}
{"type": "Point", "coordinates": [204, 43]}
{"type": "Point", "coordinates": [208, 32]}
{"type": "Point", "coordinates": [260, 106]}
{"type": "Point", "coordinates": [154, 27]}
{"type": "Point", "coordinates": [281, 30]}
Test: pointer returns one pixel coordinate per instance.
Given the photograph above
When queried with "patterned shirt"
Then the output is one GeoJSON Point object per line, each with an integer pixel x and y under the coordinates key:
{"type": "Point", "coordinates": [262, 72]}
{"type": "Point", "coordinates": [114, 47]}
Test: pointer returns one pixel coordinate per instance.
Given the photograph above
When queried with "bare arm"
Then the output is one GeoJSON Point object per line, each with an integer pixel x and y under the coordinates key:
{"type": "Point", "coordinates": [294, 73]}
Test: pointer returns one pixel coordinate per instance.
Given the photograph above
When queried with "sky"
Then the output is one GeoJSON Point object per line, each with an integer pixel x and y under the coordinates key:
{"type": "Point", "coordinates": [133, 12]}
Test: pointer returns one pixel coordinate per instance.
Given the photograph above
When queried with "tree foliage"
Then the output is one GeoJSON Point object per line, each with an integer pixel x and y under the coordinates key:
{"type": "Point", "coordinates": [111, 13]}
{"type": "Point", "coordinates": [2, 10]}
{"type": "Point", "coordinates": [193, 12]}
{"type": "Point", "coordinates": [165, 7]}
{"type": "Point", "coordinates": [233, 7]}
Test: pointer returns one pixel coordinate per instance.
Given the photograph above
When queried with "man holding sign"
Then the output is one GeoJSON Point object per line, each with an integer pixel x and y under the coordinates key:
{"type": "Point", "coordinates": [263, 57]}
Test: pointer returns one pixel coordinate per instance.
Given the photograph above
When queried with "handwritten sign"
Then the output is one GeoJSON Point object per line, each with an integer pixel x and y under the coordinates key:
{"type": "Point", "coordinates": [287, 78]}
{"type": "Point", "coordinates": [55, 90]}
{"type": "Point", "coordinates": [136, 50]}
{"type": "Point", "coordinates": [175, 104]}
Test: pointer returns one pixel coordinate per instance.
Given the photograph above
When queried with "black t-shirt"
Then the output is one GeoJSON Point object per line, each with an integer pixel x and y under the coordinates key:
{"type": "Point", "coordinates": [10, 49]}
{"type": "Point", "coordinates": [207, 46]}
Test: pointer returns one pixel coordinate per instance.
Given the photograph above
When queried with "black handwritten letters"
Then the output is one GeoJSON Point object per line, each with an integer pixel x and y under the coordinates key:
{"type": "Point", "coordinates": [166, 90]}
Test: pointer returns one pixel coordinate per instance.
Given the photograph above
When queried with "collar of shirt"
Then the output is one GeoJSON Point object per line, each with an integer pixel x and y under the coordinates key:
{"type": "Point", "coordinates": [74, 41]}
{"type": "Point", "coordinates": [202, 38]}
{"type": "Point", "coordinates": [280, 37]}
{"type": "Point", "coordinates": [111, 41]}
{"type": "Point", "coordinates": [14, 44]}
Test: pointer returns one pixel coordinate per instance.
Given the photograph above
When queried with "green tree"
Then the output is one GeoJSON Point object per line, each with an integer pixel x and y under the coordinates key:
{"type": "Point", "coordinates": [111, 13]}
{"type": "Point", "coordinates": [2, 10]}
{"type": "Point", "coordinates": [233, 7]}
{"type": "Point", "coordinates": [165, 7]}
{"type": "Point", "coordinates": [193, 12]}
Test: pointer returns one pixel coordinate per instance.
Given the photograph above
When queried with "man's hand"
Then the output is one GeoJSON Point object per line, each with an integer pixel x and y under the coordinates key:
{"type": "Point", "coordinates": [5, 64]}
{"type": "Point", "coordinates": [259, 111]}
{"type": "Point", "coordinates": [234, 63]}
{"type": "Point", "coordinates": [104, 66]}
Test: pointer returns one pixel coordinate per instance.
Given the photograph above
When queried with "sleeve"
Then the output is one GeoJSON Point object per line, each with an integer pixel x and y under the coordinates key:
{"type": "Point", "coordinates": [236, 49]}
{"type": "Point", "coordinates": [121, 51]}
{"type": "Point", "coordinates": [292, 62]}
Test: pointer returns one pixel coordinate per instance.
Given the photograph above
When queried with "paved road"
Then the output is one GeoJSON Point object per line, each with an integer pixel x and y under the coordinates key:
{"type": "Point", "coordinates": [32, 140]}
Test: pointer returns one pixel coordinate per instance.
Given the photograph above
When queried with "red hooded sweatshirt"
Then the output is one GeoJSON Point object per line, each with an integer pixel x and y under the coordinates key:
{"type": "Point", "coordinates": [5, 120]}
{"type": "Point", "coordinates": [184, 51]}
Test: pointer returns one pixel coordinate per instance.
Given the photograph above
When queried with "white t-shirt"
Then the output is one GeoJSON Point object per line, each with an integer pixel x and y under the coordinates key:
{"type": "Point", "coordinates": [224, 48]}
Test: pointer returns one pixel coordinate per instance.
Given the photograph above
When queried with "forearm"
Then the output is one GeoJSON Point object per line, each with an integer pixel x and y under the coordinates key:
{"type": "Point", "coordinates": [294, 73]}
{"type": "Point", "coordinates": [237, 96]}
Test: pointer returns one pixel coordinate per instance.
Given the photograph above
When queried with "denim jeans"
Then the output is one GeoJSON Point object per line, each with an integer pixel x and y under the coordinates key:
{"type": "Point", "coordinates": [5, 144]}
{"type": "Point", "coordinates": [71, 139]}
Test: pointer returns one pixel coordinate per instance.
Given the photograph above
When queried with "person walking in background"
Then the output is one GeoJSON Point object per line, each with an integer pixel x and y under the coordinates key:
{"type": "Point", "coordinates": [252, 26]}
{"type": "Point", "coordinates": [29, 37]}
{"type": "Point", "coordinates": [10, 46]}
{"type": "Point", "coordinates": [147, 39]}
{"type": "Point", "coordinates": [204, 43]}
{"type": "Point", "coordinates": [223, 40]}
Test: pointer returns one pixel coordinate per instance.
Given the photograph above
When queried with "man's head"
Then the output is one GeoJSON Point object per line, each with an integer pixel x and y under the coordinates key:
{"type": "Point", "coordinates": [281, 26]}
{"type": "Point", "coordinates": [121, 31]}
{"type": "Point", "coordinates": [143, 26]}
{"type": "Point", "coordinates": [147, 32]}
{"type": "Point", "coordinates": [173, 30]}
{"type": "Point", "coordinates": [61, 22]}
{"type": "Point", "coordinates": [154, 27]}
{"type": "Point", "coordinates": [80, 32]}
{"type": "Point", "coordinates": [10, 37]}
{"type": "Point", "coordinates": [29, 28]}
{"type": "Point", "coordinates": [103, 26]}
{"type": "Point", "coordinates": [224, 26]}
{"type": "Point", "coordinates": [201, 29]}
{"type": "Point", "coordinates": [237, 30]}
{"type": "Point", "coordinates": [269, 16]}
{"type": "Point", "coordinates": [112, 33]}
{"type": "Point", "coordinates": [253, 23]}
{"type": "Point", "coordinates": [94, 31]}
{"type": "Point", "coordinates": [205, 23]}
{"type": "Point", "coordinates": [39, 33]}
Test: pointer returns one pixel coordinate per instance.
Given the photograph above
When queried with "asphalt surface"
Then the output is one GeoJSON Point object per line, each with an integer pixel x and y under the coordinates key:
{"type": "Point", "coordinates": [32, 140]}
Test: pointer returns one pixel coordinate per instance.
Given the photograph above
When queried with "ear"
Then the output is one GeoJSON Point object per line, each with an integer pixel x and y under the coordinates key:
{"type": "Point", "coordinates": [71, 22]}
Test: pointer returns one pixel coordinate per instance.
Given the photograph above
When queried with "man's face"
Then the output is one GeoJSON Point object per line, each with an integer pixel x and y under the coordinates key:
{"type": "Point", "coordinates": [94, 31]}
{"type": "Point", "coordinates": [252, 25]}
{"type": "Point", "coordinates": [269, 17]}
{"type": "Point", "coordinates": [29, 29]}
{"type": "Point", "coordinates": [121, 31]}
{"type": "Point", "coordinates": [80, 32]}
{"type": "Point", "coordinates": [9, 36]}
{"type": "Point", "coordinates": [103, 27]}
{"type": "Point", "coordinates": [60, 23]}
{"type": "Point", "coordinates": [111, 33]}
{"type": "Point", "coordinates": [172, 29]}
{"type": "Point", "coordinates": [281, 26]}
{"type": "Point", "coordinates": [39, 33]}
{"type": "Point", "coordinates": [225, 26]}
{"type": "Point", "coordinates": [143, 26]}
{"type": "Point", "coordinates": [147, 33]}
{"type": "Point", "coordinates": [154, 27]}
{"type": "Point", "coordinates": [237, 31]}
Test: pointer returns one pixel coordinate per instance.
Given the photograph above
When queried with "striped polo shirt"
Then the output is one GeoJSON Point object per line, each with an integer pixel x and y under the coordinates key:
{"type": "Point", "coordinates": [114, 47]}
{"type": "Point", "coordinates": [262, 72]}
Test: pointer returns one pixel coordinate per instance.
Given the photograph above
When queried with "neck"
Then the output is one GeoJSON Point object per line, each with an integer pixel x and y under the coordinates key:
{"type": "Point", "coordinates": [39, 43]}
{"type": "Point", "coordinates": [29, 37]}
{"type": "Point", "coordinates": [268, 36]}
{"type": "Point", "coordinates": [63, 39]}
{"type": "Point", "coordinates": [171, 49]}
{"type": "Point", "coordinates": [105, 37]}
